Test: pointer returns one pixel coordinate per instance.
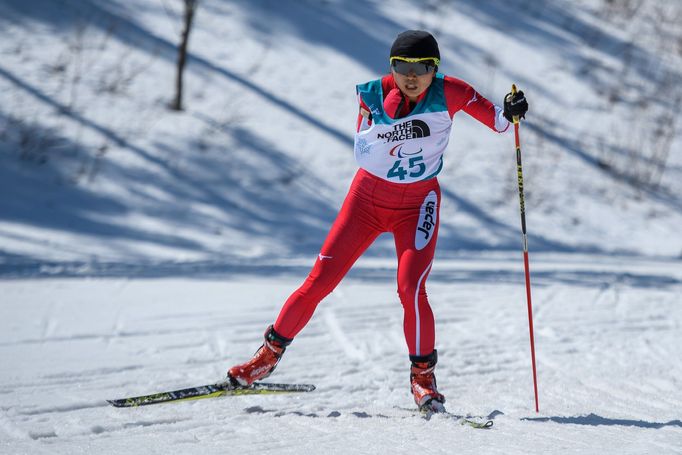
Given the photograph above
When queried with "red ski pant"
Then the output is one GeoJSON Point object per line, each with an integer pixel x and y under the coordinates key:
{"type": "Point", "coordinates": [374, 206]}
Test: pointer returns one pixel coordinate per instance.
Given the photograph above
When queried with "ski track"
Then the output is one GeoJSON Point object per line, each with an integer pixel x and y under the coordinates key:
{"type": "Point", "coordinates": [608, 375]}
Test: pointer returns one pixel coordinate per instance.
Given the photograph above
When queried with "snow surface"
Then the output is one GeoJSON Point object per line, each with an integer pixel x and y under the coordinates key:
{"type": "Point", "coordinates": [607, 350]}
{"type": "Point", "coordinates": [144, 250]}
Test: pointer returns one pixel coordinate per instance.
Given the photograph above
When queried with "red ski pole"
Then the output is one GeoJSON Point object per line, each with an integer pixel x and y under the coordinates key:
{"type": "Point", "coordinates": [519, 172]}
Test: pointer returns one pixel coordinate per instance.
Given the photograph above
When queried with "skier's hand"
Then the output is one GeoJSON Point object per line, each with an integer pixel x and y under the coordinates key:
{"type": "Point", "coordinates": [515, 105]}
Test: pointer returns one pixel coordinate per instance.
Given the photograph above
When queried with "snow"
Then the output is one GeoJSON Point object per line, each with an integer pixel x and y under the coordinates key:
{"type": "Point", "coordinates": [606, 344]}
{"type": "Point", "coordinates": [144, 250]}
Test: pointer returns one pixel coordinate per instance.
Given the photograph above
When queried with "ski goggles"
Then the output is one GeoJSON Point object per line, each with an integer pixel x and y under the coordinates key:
{"type": "Point", "coordinates": [420, 66]}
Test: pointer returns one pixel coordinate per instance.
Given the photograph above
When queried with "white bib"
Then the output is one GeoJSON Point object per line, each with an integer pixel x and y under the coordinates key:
{"type": "Point", "coordinates": [409, 149]}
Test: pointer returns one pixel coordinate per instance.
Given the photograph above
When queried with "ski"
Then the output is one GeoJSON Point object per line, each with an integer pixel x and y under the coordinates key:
{"type": "Point", "coordinates": [479, 422]}
{"type": "Point", "coordinates": [483, 424]}
{"type": "Point", "coordinates": [210, 391]}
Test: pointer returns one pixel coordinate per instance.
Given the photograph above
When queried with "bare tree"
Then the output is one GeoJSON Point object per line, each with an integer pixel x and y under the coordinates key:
{"type": "Point", "coordinates": [190, 9]}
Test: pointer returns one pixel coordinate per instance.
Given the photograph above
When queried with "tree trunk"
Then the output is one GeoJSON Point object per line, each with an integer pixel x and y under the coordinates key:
{"type": "Point", "coordinates": [190, 8]}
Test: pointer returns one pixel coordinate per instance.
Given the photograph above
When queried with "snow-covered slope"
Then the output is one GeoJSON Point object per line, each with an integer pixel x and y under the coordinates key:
{"type": "Point", "coordinates": [95, 168]}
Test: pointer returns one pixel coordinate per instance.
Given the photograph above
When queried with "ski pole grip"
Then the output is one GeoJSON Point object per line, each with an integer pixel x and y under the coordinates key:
{"type": "Point", "coordinates": [515, 118]}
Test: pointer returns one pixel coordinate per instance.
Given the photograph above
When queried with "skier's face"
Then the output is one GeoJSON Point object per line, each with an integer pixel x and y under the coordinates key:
{"type": "Point", "coordinates": [411, 84]}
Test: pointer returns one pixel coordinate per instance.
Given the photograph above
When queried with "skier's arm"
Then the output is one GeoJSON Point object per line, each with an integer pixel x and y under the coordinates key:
{"type": "Point", "coordinates": [364, 116]}
{"type": "Point", "coordinates": [461, 96]}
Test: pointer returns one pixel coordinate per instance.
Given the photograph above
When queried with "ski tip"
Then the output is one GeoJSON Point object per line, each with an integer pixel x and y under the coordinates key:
{"type": "Point", "coordinates": [117, 403]}
{"type": "Point", "coordinates": [125, 403]}
{"type": "Point", "coordinates": [486, 425]}
{"type": "Point", "coordinates": [494, 414]}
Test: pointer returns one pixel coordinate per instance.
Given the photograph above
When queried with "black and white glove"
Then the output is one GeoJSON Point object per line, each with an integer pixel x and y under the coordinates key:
{"type": "Point", "coordinates": [515, 105]}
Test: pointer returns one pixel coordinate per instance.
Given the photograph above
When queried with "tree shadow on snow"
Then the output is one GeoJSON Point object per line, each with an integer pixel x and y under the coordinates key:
{"type": "Point", "coordinates": [39, 190]}
{"type": "Point", "coordinates": [507, 235]}
{"type": "Point", "coordinates": [595, 420]}
{"type": "Point", "coordinates": [114, 16]}
{"type": "Point", "coordinates": [357, 29]}
{"type": "Point", "coordinates": [13, 267]}
{"type": "Point", "coordinates": [574, 147]}
{"type": "Point", "coordinates": [46, 196]}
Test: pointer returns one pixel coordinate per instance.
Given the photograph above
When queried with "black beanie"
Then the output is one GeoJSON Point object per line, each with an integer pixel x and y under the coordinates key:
{"type": "Point", "coordinates": [415, 44]}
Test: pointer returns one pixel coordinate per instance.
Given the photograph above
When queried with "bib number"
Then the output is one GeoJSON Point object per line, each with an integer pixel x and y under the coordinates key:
{"type": "Point", "coordinates": [416, 168]}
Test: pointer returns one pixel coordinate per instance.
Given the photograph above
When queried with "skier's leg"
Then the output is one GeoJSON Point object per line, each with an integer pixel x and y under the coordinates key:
{"type": "Point", "coordinates": [353, 231]}
{"type": "Point", "coordinates": [351, 234]}
{"type": "Point", "coordinates": [415, 238]}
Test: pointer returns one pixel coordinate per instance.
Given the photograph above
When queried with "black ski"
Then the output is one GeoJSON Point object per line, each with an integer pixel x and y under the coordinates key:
{"type": "Point", "coordinates": [211, 391]}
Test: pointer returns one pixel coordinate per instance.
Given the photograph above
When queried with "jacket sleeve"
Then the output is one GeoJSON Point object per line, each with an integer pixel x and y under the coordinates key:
{"type": "Point", "coordinates": [460, 96]}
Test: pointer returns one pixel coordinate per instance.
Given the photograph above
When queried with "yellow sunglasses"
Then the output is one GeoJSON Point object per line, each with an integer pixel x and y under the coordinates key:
{"type": "Point", "coordinates": [420, 66]}
{"type": "Point", "coordinates": [416, 60]}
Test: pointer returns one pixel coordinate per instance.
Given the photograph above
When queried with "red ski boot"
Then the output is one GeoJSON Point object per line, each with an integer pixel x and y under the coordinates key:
{"type": "Point", "coordinates": [423, 383]}
{"type": "Point", "coordinates": [263, 362]}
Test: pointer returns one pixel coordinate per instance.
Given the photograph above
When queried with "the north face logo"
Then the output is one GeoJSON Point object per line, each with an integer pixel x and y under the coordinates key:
{"type": "Point", "coordinates": [412, 129]}
{"type": "Point", "coordinates": [419, 128]}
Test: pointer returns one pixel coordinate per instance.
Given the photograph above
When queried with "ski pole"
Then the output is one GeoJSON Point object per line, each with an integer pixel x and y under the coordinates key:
{"type": "Point", "coordinates": [519, 172]}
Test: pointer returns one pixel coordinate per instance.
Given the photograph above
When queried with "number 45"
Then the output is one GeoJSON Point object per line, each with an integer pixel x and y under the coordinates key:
{"type": "Point", "coordinates": [414, 163]}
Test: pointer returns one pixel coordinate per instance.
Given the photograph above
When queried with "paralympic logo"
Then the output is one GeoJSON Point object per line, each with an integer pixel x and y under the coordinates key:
{"type": "Point", "coordinates": [398, 151]}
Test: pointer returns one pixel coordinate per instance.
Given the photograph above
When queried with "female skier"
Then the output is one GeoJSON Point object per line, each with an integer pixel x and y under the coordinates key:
{"type": "Point", "coordinates": [403, 130]}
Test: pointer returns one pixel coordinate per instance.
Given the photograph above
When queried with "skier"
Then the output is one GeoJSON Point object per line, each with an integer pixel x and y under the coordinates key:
{"type": "Point", "coordinates": [402, 132]}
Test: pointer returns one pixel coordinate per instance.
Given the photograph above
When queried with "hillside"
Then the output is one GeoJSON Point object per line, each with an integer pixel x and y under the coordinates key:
{"type": "Point", "coordinates": [97, 170]}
